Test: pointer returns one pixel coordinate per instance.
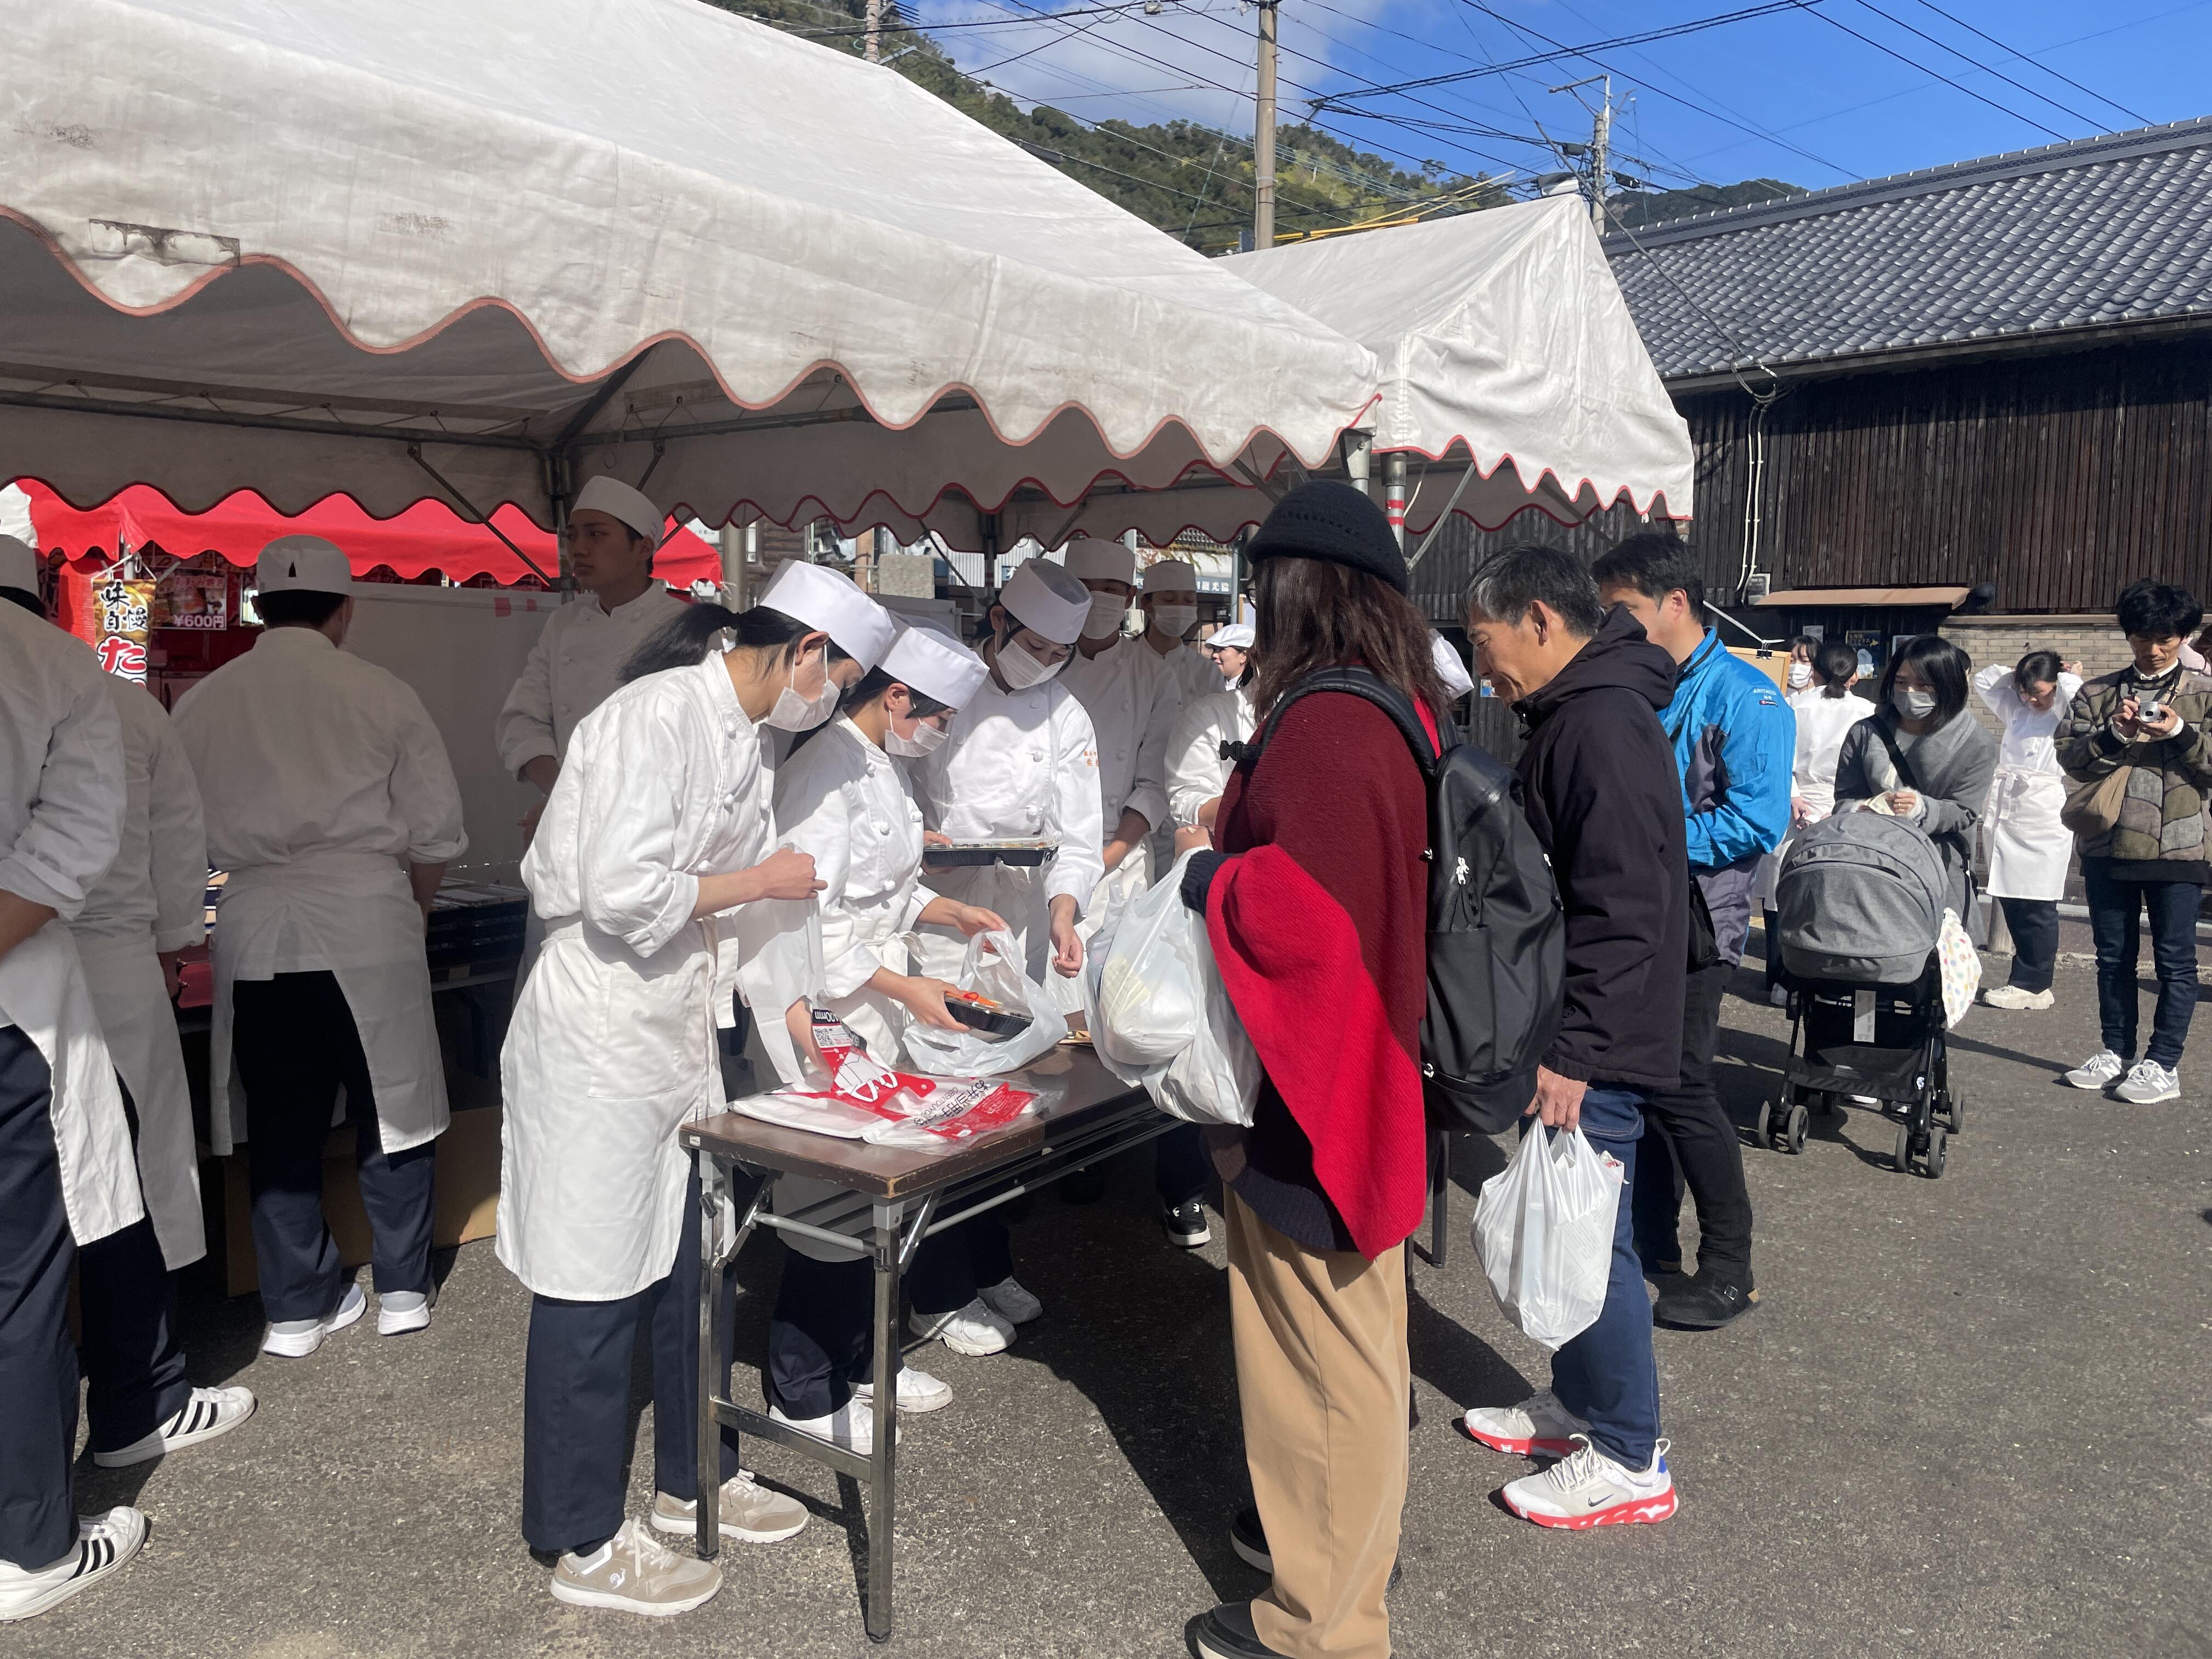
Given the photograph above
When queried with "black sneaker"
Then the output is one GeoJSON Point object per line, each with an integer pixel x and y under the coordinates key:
{"type": "Point", "coordinates": [1187, 1224]}
{"type": "Point", "coordinates": [1703, 1302]}
{"type": "Point", "coordinates": [1227, 1633]}
{"type": "Point", "coordinates": [1249, 1539]}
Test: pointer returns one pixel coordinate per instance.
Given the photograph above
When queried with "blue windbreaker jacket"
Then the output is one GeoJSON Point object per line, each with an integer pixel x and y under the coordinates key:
{"type": "Point", "coordinates": [1736, 742]}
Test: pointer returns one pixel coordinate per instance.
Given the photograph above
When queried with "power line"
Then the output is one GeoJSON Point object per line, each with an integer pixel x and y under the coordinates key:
{"type": "Point", "coordinates": [1914, 63]}
{"type": "Point", "coordinates": [2018, 56]}
{"type": "Point", "coordinates": [2090, 121]}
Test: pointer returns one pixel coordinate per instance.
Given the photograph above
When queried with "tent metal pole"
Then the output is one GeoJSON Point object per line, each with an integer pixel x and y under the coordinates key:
{"type": "Point", "coordinates": [415, 454]}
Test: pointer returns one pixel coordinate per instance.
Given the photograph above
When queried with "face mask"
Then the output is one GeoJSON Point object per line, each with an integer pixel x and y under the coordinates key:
{"type": "Point", "coordinates": [925, 740]}
{"type": "Point", "coordinates": [1913, 705]}
{"type": "Point", "coordinates": [1105, 618]}
{"type": "Point", "coordinates": [1021, 671]}
{"type": "Point", "coordinates": [1175, 620]}
{"type": "Point", "coordinates": [1801, 676]}
{"type": "Point", "coordinates": [793, 713]}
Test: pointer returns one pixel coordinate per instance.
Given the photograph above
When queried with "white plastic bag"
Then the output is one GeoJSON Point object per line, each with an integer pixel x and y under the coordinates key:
{"type": "Point", "coordinates": [1543, 1226]}
{"type": "Point", "coordinates": [992, 968]}
{"type": "Point", "coordinates": [1146, 1001]}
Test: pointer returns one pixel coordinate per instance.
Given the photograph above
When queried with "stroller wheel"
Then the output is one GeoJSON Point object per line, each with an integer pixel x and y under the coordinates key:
{"type": "Point", "coordinates": [1931, 1161]}
{"type": "Point", "coordinates": [1903, 1158]}
{"type": "Point", "coordinates": [1794, 1130]}
{"type": "Point", "coordinates": [1954, 1112]}
{"type": "Point", "coordinates": [1765, 1128]}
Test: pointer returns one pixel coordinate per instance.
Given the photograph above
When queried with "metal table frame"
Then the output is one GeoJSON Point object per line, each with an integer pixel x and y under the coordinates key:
{"type": "Point", "coordinates": [895, 1228]}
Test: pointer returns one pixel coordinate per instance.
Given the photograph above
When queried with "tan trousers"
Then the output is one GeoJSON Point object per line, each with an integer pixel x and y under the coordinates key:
{"type": "Point", "coordinates": [1324, 1377]}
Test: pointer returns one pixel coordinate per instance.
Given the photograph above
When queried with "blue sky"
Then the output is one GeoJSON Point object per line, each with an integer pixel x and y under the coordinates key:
{"type": "Point", "coordinates": [1795, 93]}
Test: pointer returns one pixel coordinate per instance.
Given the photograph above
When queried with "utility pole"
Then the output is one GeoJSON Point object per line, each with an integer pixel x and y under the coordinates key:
{"type": "Point", "coordinates": [1600, 144]}
{"type": "Point", "coordinates": [875, 36]}
{"type": "Point", "coordinates": [1263, 134]}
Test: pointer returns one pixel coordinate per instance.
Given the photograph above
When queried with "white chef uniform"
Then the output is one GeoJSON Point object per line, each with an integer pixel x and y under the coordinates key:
{"type": "Point", "coordinates": [322, 777]}
{"type": "Point", "coordinates": [1822, 722]}
{"type": "Point", "coordinates": [1197, 770]}
{"type": "Point", "coordinates": [1192, 671]}
{"type": "Point", "coordinates": [2029, 848]}
{"type": "Point", "coordinates": [152, 900]}
{"type": "Point", "coordinates": [575, 667]}
{"type": "Point", "coordinates": [60, 816]}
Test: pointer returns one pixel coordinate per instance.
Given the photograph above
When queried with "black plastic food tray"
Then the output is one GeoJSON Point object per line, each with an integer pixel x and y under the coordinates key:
{"type": "Point", "coordinates": [991, 1022]}
{"type": "Point", "coordinates": [949, 858]}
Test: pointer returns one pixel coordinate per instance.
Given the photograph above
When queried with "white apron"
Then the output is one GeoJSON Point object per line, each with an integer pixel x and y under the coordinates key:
{"type": "Point", "coordinates": [2028, 847]}
{"type": "Point", "coordinates": [42, 991]}
{"type": "Point", "coordinates": [123, 975]}
{"type": "Point", "coordinates": [358, 908]}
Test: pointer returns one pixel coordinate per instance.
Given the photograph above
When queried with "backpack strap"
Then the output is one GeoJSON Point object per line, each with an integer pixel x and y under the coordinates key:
{"type": "Point", "coordinates": [1905, 778]}
{"type": "Point", "coordinates": [1358, 682]}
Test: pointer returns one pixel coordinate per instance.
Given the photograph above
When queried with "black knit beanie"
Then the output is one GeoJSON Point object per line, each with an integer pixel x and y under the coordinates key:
{"type": "Point", "coordinates": [1336, 524]}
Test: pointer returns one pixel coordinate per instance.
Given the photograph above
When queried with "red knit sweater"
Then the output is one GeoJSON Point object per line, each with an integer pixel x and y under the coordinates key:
{"type": "Point", "coordinates": [1318, 921]}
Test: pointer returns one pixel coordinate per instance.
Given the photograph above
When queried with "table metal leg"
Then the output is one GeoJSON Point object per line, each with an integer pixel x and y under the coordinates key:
{"type": "Point", "coordinates": [1439, 1197]}
{"type": "Point", "coordinates": [883, 1464]}
{"type": "Point", "coordinates": [713, 1193]}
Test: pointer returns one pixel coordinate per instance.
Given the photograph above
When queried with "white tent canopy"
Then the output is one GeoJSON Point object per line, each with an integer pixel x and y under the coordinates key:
{"type": "Point", "coordinates": [311, 249]}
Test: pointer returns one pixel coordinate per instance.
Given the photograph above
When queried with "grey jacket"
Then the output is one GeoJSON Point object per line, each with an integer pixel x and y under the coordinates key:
{"type": "Point", "coordinates": [1951, 767]}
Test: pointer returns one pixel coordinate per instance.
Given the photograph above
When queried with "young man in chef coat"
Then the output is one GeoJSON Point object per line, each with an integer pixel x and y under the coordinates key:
{"type": "Point", "coordinates": [613, 531]}
{"type": "Point", "coordinates": [1022, 761]}
{"type": "Point", "coordinates": [66, 1177]}
{"type": "Point", "coordinates": [1169, 599]}
{"type": "Point", "coordinates": [331, 802]}
{"type": "Point", "coordinates": [1133, 698]}
{"type": "Point", "coordinates": [135, 921]}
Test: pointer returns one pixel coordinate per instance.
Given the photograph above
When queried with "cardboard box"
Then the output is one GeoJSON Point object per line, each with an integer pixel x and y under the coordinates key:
{"type": "Point", "coordinates": [467, 1189]}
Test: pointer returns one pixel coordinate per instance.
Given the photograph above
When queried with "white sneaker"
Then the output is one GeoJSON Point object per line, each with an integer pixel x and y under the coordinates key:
{"type": "Point", "coordinates": [2149, 1084]}
{"type": "Point", "coordinates": [977, 1328]}
{"type": "Point", "coordinates": [207, 1413]}
{"type": "Point", "coordinates": [917, 1391]}
{"type": "Point", "coordinates": [1589, 1489]}
{"type": "Point", "coordinates": [401, 1312]}
{"type": "Point", "coordinates": [295, 1338]}
{"type": "Point", "coordinates": [852, 1426]}
{"type": "Point", "coordinates": [2098, 1071]}
{"type": "Point", "coordinates": [1009, 1301]}
{"type": "Point", "coordinates": [748, 1511]}
{"type": "Point", "coordinates": [1539, 1426]}
{"type": "Point", "coordinates": [104, 1543]}
{"type": "Point", "coordinates": [635, 1572]}
{"type": "Point", "coordinates": [2013, 996]}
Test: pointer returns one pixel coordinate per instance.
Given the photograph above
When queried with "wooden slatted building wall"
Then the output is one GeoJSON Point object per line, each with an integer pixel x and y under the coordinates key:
{"type": "Point", "coordinates": [2061, 477]}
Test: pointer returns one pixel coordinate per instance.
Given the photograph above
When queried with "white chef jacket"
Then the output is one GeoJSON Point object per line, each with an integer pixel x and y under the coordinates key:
{"type": "Point", "coordinates": [1133, 699]}
{"type": "Point", "coordinates": [320, 776]}
{"type": "Point", "coordinates": [2029, 848]}
{"type": "Point", "coordinates": [61, 819]}
{"type": "Point", "coordinates": [1822, 720]}
{"type": "Point", "coordinates": [1015, 764]}
{"type": "Point", "coordinates": [1196, 771]}
{"type": "Point", "coordinates": [1195, 674]}
{"type": "Point", "coordinates": [612, 1048]}
{"type": "Point", "coordinates": [152, 899]}
{"type": "Point", "coordinates": [576, 667]}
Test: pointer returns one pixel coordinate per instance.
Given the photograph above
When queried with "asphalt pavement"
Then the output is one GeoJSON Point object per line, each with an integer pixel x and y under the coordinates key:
{"type": "Point", "coordinates": [1968, 1417]}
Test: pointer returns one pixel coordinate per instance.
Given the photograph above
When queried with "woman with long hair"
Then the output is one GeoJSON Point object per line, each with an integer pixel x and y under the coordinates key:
{"type": "Point", "coordinates": [1315, 903]}
{"type": "Point", "coordinates": [2029, 849]}
{"type": "Point", "coordinates": [658, 828]}
{"type": "Point", "coordinates": [1923, 758]}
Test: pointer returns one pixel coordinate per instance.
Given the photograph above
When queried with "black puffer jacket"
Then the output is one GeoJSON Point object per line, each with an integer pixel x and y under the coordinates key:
{"type": "Point", "coordinates": [1604, 797]}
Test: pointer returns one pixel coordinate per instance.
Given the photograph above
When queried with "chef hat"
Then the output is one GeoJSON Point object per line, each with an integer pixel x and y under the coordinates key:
{"type": "Point", "coordinates": [19, 565]}
{"type": "Point", "coordinates": [935, 665]}
{"type": "Point", "coordinates": [1236, 636]}
{"type": "Point", "coordinates": [823, 599]}
{"type": "Point", "coordinates": [1088, 559]}
{"type": "Point", "coordinates": [302, 564]}
{"type": "Point", "coordinates": [1450, 669]}
{"type": "Point", "coordinates": [1170, 576]}
{"type": "Point", "coordinates": [1047, 598]}
{"type": "Point", "coordinates": [618, 500]}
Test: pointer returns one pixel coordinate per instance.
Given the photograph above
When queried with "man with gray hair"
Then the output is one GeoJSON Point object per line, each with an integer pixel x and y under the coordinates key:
{"type": "Point", "coordinates": [1601, 792]}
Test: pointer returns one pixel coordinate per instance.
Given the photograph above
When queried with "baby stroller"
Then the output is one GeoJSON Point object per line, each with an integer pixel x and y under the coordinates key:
{"type": "Point", "coordinates": [1861, 900]}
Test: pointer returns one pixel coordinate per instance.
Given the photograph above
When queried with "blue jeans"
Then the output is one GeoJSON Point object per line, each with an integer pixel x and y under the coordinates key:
{"type": "Point", "coordinates": [2116, 921]}
{"type": "Point", "coordinates": [1606, 1376]}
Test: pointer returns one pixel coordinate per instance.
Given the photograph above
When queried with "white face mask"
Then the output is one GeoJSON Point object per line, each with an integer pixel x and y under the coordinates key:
{"type": "Point", "coordinates": [1801, 676]}
{"type": "Point", "coordinates": [1021, 671]}
{"type": "Point", "coordinates": [925, 740]}
{"type": "Point", "coordinates": [793, 713]}
{"type": "Point", "coordinates": [1913, 705]}
{"type": "Point", "coordinates": [1105, 618]}
{"type": "Point", "coordinates": [1175, 620]}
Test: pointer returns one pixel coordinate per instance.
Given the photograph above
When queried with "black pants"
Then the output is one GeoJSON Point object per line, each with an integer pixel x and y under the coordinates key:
{"type": "Point", "coordinates": [2116, 908]}
{"type": "Point", "coordinates": [134, 1365]}
{"type": "Point", "coordinates": [1181, 1167]}
{"type": "Point", "coordinates": [296, 1042]}
{"type": "Point", "coordinates": [38, 1367]}
{"type": "Point", "coordinates": [576, 1400]}
{"type": "Point", "coordinates": [821, 1336]}
{"type": "Point", "coordinates": [1705, 1153]}
{"type": "Point", "coordinates": [2034, 927]}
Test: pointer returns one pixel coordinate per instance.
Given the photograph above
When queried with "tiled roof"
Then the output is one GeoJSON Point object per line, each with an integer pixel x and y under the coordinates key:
{"type": "Point", "coordinates": [2115, 229]}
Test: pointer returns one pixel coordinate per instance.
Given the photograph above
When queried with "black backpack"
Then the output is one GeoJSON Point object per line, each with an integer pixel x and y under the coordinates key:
{"type": "Point", "coordinates": [1496, 933]}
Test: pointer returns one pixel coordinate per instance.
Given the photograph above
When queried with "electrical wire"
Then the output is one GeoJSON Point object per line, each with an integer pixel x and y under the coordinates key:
{"type": "Point", "coordinates": [2018, 56]}
{"type": "Point", "coordinates": [2089, 121]}
{"type": "Point", "coordinates": [1914, 63]}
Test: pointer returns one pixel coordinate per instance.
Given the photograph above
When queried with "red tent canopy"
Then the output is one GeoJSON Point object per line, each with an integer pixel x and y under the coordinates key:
{"type": "Point", "coordinates": [427, 536]}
